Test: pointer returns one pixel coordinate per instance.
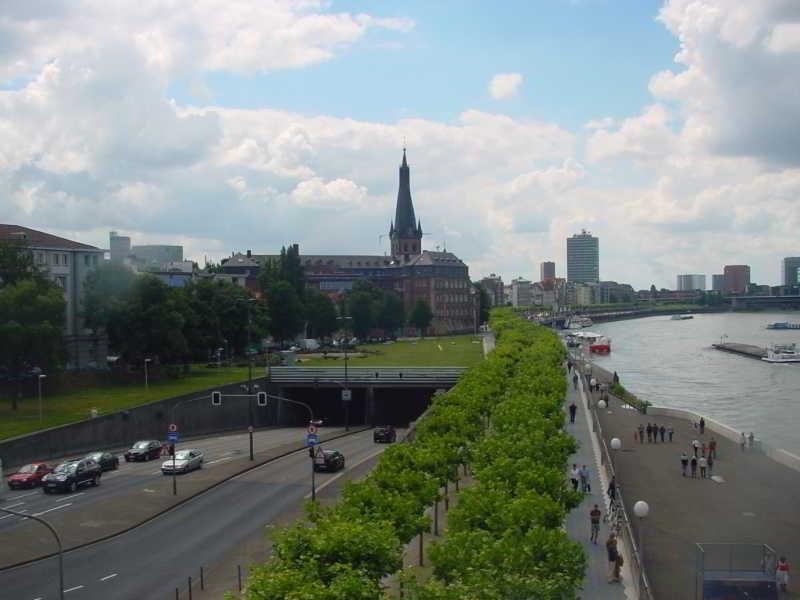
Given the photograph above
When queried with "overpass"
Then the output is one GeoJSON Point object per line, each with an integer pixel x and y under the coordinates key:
{"type": "Point", "coordinates": [355, 377]}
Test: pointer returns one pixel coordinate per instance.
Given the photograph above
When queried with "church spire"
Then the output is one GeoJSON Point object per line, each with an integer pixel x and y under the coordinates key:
{"type": "Point", "coordinates": [404, 219]}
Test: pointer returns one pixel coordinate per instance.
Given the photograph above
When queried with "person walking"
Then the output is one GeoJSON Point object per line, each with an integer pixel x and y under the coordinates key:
{"type": "Point", "coordinates": [583, 473]}
{"type": "Point", "coordinates": [594, 520]}
{"type": "Point", "coordinates": [693, 464]}
{"type": "Point", "coordinates": [703, 449]}
{"type": "Point", "coordinates": [751, 440]}
{"type": "Point", "coordinates": [655, 433]}
{"type": "Point", "coordinates": [569, 366]}
{"type": "Point", "coordinates": [702, 425]}
{"type": "Point", "coordinates": [649, 433]}
{"type": "Point", "coordinates": [662, 430]}
{"type": "Point", "coordinates": [641, 433]}
{"type": "Point", "coordinates": [712, 447]}
{"type": "Point", "coordinates": [710, 465]}
{"type": "Point", "coordinates": [742, 441]}
{"type": "Point", "coordinates": [702, 462]}
{"type": "Point", "coordinates": [612, 489]}
{"type": "Point", "coordinates": [782, 573]}
{"type": "Point", "coordinates": [671, 432]}
{"type": "Point", "coordinates": [573, 408]}
{"type": "Point", "coordinates": [592, 384]}
{"type": "Point", "coordinates": [684, 463]}
{"type": "Point", "coordinates": [695, 447]}
{"type": "Point", "coordinates": [574, 477]}
{"type": "Point", "coordinates": [611, 550]}
{"type": "Point", "coordinates": [615, 378]}
{"type": "Point", "coordinates": [575, 382]}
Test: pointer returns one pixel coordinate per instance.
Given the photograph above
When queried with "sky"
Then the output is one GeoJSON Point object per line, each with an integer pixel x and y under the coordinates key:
{"type": "Point", "coordinates": [668, 129]}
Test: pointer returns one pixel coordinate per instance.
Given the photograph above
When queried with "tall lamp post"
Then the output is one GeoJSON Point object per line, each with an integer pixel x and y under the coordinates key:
{"type": "Point", "coordinates": [346, 393]}
{"type": "Point", "coordinates": [311, 448]}
{"type": "Point", "coordinates": [58, 543]}
{"type": "Point", "coordinates": [641, 509]}
{"type": "Point", "coordinates": [250, 302]}
{"type": "Point", "coordinates": [41, 377]}
{"type": "Point", "coordinates": [146, 381]}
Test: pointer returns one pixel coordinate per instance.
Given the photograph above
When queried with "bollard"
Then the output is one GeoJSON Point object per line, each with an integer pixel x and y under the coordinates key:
{"type": "Point", "coordinates": [446, 498]}
{"type": "Point", "coordinates": [421, 559]}
{"type": "Point", "coordinates": [190, 588]}
{"type": "Point", "coordinates": [202, 580]}
{"type": "Point", "coordinates": [239, 573]}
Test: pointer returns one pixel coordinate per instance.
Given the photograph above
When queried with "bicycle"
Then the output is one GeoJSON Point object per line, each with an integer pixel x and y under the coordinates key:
{"type": "Point", "coordinates": [615, 517]}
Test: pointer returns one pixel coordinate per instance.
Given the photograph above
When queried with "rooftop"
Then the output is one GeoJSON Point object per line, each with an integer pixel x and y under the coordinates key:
{"type": "Point", "coordinates": [40, 239]}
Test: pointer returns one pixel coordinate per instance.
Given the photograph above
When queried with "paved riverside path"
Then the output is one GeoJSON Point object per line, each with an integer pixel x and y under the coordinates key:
{"type": "Point", "coordinates": [757, 503]}
{"type": "Point", "coordinates": [595, 584]}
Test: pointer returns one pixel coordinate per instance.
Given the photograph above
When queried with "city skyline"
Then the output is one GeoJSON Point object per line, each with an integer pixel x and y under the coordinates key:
{"type": "Point", "coordinates": [168, 128]}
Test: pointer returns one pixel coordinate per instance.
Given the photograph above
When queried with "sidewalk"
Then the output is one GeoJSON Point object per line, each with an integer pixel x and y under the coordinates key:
{"type": "Point", "coordinates": [595, 585]}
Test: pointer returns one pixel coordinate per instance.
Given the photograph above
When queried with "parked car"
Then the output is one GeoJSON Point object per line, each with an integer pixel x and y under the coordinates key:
{"type": "Point", "coordinates": [69, 475]}
{"type": "Point", "coordinates": [185, 461]}
{"type": "Point", "coordinates": [329, 460]}
{"type": "Point", "coordinates": [384, 435]}
{"type": "Point", "coordinates": [143, 450]}
{"type": "Point", "coordinates": [28, 476]}
{"type": "Point", "coordinates": [106, 460]}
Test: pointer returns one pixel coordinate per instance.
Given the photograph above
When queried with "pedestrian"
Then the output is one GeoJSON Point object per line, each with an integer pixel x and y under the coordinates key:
{"type": "Point", "coordinates": [662, 430]}
{"type": "Point", "coordinates": [671, 432]}
{"type": "Point", "coordinates": [612, 489]}
{"type": "Point", "coordinates": [584, 476]}
{"type": "Point", "coordinates": [611, 550]}
{"type": "Point", "coordinates": [693, 464]}
{"type": "Point", "coordinates": [597, 386]}
{"type": "Point", "coordinates": [616, 378]}
{"type": "Point", "coordinates": [703, 464]}
{"type": "Point", "coordinates": [712, 447]}
{"type": "Point", "coordinates": [641, 433]}
{"type": "Point", "coordinates": [575, 382]}
{"type": "Point", "coordinates": [592, 384]}
{"type": "Point", "coordinates": [710, 465]}
{"type": "Point", "coordinates": [594, 520]}
{"type": "Point", "coordinates": [569, 366]}
{"type": "Point", "coordinates": [782, 573]}
{"type": "Point", "coordinates": [751, 440]}
{"type": "Point", "coordinates": [655, 433]}
{"type": "Point", "coordinates": [702, 425]}
{"type": "Point", "coordinates": [742, 441]}
{"type": "Point", "coordinates": [617, 566]}
{"type": "Point", "coordinates": [574, 476]}
{"type": "Point", "coordinates": [649, 433]}
{"type": "Point", "coordinates": [573, 408]}
{"type": "Point", "coordinates": [684, 463]}
{"type": "Point", "coordinates": [703, 448]}
{"type": "Point", "coordinates": [695, 447]}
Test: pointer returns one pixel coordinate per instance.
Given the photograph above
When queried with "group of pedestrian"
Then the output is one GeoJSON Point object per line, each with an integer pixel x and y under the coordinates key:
{"type": "Point", "coordinates": [653, 431]}
{"type": "Point", "coordinates": [615, 561]}
{"type": "Point", "coordinates": [748, 441]}
{"type": "Point", "coordinates": [701, 456]}
{"type": "Point", "coordinates": [579, 477]}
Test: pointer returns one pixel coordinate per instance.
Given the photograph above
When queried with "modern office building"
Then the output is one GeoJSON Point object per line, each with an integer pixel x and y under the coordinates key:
{"type": "Point", "coordinates": [156, 255]}
{"type": "Point", "coordinates": [718, 283]}
{"type": "Point", "coordinates": [791, 271]}
{"type": "Point", "coordinates": [547, 271]}
{"type": "Point", "coordinates": [119, 247]}
{"type": "Point", "coordinates": [583, 258]}
{"type": "Point", "coordinates": [493, 286]}
{"type": "Point", "coordinates": [737, 278]}
{"type": "Point", "coordinates": [691, 282]}
{"type": "Point", "coordinates": [521, 292]}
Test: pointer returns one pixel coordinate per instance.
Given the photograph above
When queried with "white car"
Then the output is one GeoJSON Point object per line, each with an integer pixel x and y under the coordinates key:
{"type": "Point", "coordinates": [185, 461]}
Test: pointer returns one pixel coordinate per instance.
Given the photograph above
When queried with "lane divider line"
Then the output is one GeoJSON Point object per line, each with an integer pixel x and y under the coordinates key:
{"type": "Point", "coordinates": [13, 505]}
{"type": "Point", "coordinates": [70, 497]}
{"type": "Point", "coordinates": [44, 512]}
{"type": "Point", "coordinates": [107, 577]}
{"type": "Point", "coordinates": [72, 589]}
{"type": "Point", "coordinates": [327, 482]}
{"type": "Point", "coordinates": [22, 496]}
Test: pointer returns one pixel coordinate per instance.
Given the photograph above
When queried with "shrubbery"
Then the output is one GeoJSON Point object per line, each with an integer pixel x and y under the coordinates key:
{"type": "Point", "coordinates": [504, 540]}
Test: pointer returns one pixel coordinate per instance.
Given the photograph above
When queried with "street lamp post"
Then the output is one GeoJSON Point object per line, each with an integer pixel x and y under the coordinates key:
{"type": "Point", "coordinates": [41, 377]}
{"type": "Point", "coordinates": [641, 509]}
{"type": "Point", "coordinates": [311, 448]}
{"type": "Point", "coordinates": [58, 543]}
{"type": "Point", "coordinates": [146, 381]}
{"type": "Point", "coordinates": [250, 302]}
{"type": "Point", "coordinates": [345, 397]}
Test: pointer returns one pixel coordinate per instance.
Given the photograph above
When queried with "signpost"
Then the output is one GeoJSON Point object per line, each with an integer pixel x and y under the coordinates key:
{"type": "Point", "coordinates": [312, 439]}
{"type": "Point", "coordinates": [347, 395]}
{"type": "Point", "coordinates": [172, 437]}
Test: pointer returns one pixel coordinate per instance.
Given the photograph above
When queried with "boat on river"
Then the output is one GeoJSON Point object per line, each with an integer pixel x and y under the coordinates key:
{"type": "Point", "coordinates": [782, 353]}
{"type": "Point", "coordinates": [579, 322]}
{"type": "Point", "coordinates": [681, 317]}
{"type": "Point", "coordinates": [783, 325]}
{"type": "Point", "coordinates": [597, 343]}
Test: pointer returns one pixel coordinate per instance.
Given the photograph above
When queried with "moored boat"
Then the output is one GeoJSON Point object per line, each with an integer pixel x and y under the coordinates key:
{"type": "Point", "coordinates": [601, 345]}
{"type": "Point", "coordinates": [783, 325]}
{"type": "Point", "coordinates": [681, 317]}
{"type": "Point", "coordinates": [782, 353]}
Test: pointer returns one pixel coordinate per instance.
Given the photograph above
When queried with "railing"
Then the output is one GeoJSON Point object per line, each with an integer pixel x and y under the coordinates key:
{"type": "Point", "coordinates": [436, 376]}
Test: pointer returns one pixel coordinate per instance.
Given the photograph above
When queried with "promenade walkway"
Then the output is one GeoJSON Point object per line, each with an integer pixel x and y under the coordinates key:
{"type": "Point", "coordinates": [595, 586]}
{"type": "Point", "coordinates": [757, 502]}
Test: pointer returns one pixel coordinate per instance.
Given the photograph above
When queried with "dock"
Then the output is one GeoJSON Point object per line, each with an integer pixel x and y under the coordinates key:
{"type": "Point", "coordinates": [748, 350]}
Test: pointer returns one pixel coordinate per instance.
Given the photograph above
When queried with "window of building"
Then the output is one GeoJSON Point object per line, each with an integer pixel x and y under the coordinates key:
{"type": "Point", "coordinates": [65, 260]}
{"type": "Point", "coordinates": [61, 282]}
{"type": "Point", "coordinates": [94, 260]}
{"type": "Point", "coordinates": [86, 260]}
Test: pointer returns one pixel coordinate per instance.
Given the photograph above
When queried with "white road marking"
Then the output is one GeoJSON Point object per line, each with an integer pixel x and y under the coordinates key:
{"type": "Point", "coordinates": [327, 482]}
{"type": "Point", "coordinates": [107, 577]}
{"type": "Point", "coordinates": [211, 462]}
{"type": "Point", "coordinates": [9, 516]}
{"type": "Point", "coordinates": [70, 497]}
{"type": "Point", "coordinates": [44, 512]}
{"type": "Point", "coordinates": [39, 598]}
{"type": "Point", "coordinates": [22, 496]}
{"type": "Point", "coordinates": [72, 589]}
{"type": "Point", "coordinates": [13, 505]}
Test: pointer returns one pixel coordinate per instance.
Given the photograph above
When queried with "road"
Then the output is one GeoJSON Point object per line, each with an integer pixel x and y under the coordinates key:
{"type": "Point", "coordinates": [150, 561]}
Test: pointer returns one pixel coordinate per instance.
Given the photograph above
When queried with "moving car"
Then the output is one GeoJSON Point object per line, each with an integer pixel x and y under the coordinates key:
{"type": "Point", "coordinates": [328, 460]}
{"type": "Point", "coordinates": [106, 460]}
{"type": "Point", "coordinates": [28, 476]}
{"type": "Point", "coordinates": [69, 475]}
{"type": "Point", "coordinates": [384, 435]}
{"type": "Point", "coordinates": [144, 450]}
{"type": "Point", "coordinates": [185, 461]}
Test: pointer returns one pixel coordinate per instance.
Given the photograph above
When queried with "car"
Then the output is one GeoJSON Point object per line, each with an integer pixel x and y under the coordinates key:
{"type": "Point", "coordinates": [185, 461]}
{"type": "Point", "coordinates": [106, 460]}
{"type": "Point", "coordinates": [28, 476]}
{"type": "Point", "coordinates": [68, 476]}
{"type": "Point", "coordinates": [384, 435]}
{"type": "Point", "coordinates": [328, 460]}
{"type": "Point", "coordinates": [143, 450]}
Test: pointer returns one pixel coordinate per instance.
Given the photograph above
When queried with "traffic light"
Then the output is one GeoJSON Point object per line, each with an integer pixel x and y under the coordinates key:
{"type": "Point", "coordinates": [261, 398]}
{"type": "Point", "coordinates": [216, 398]}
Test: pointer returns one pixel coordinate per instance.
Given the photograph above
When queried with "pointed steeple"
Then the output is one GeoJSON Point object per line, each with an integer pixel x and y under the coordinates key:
{"type": "Point", "coordinates": [419, 227]}
{"type": "Point", "coordinates": [404, 218]}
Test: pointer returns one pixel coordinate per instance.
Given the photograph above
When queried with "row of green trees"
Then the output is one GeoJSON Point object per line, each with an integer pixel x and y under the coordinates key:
{"type": "Point", "coordinates": [505, 540]}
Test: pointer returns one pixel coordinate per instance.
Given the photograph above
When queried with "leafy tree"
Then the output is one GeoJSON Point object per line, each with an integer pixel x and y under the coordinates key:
{"type": "Point", "coordinates": [286, 311]}
{"type": "Point", "coordinates": [484, 304]}
{"type": "Point", "coordinates": [107, 287]}
{"type": "Point", "coordinates": [391, 316]}
{"type": "Point", "coordinates": [362, 306]}
{"type": "Point", "coordinates": [320, 314]}
{"type": "Point", "coordinates": [16, 263]}
{"type": "Point", "coordinates": [421, 316]}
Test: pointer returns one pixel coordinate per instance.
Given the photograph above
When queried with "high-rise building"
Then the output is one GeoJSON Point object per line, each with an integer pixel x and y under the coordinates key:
{"type": "Point", "coordinates": [119, 247]}
{"type": "Point", "coordinates": [521, 292]}
{"type": "Point", "coordinates": [688, 283]}
{"type": "Point", "coordinates": [493, 286]}
{"type": "Point", "coordinates": [791, 270]}
{"type": "Point", "coordinates": [547, 271]}
{"type": "Point", "coordinates": [157, 255]}
{"type": "Point", "coordinates": [737, 278]}
{"type": "Point", "coordinates": [718, 283]}
{"type": "Point", "coordinates": [583, 258]}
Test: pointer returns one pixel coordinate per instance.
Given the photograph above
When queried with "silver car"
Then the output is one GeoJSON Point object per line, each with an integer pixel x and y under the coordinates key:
{"type": "Point", "coordinates": [185, 461]}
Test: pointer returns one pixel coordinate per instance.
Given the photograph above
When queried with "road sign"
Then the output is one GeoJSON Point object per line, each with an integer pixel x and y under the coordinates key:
{"type": "Point", "coordinates": [347, 395]}
{"type": "Point", "coordinates": [172, 427]}
{"type": "Point", "coordinates": [312, 439]}
{"type": "Point", "coordinates": [313, 429]}
{"type": "Point", "coordinates": [172, 437]}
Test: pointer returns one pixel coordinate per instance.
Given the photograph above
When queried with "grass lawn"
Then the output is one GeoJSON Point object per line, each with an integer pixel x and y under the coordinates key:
{"type": "Point", "coordinates": [75, 406]}
{"type": "Point", "coordinates": [456, 351]}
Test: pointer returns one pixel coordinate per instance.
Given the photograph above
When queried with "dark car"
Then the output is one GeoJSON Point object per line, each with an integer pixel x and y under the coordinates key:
{"type": "Point", "coordinates": [384, 435]}
{"type": "Point", "coordinates": [106, 460]}
{"type": "Point", "coordinates": [143, 450]}
{"type": "Point", "coordinates": [328, 460]}
{"type": "Point", "coordinates": [28, 476]}
{"type": "Point", "coordinates": [67, 476]}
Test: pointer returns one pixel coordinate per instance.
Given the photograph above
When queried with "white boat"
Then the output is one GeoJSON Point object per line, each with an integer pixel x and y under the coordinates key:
{"type": "Point", "coordinates": [782, 353]}
{"type": "Point", "coordinates": [579, 322]}
{"type": "Point", "coordinates": [681, 317]}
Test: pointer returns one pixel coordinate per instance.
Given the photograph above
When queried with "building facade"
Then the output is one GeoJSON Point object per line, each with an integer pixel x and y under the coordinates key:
{"type": "Point", "coordinates": [737, 278]}
{"type": "Point", "coordinates": [718, 283]}
{"type": "Point", "coordinates": [521, 292]}
{"type": "Point", "coordinates": [583, 258]}
{"type": "Point", "coordinates": [547, 271]}
{"type": "Point", "coordinates": [691, 282]}
{"type": "Point", "coordinates": [790, 271]}
{"type": "Point", "coordinates": [493, 285]}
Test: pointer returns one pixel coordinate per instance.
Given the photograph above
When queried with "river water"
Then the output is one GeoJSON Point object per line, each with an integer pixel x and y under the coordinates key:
{"type": "Point", "coordinates": [671, 363]}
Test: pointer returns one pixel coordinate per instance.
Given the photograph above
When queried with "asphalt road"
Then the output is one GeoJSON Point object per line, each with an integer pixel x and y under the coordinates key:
{"type": "Point", "coordinates": [152, 560]}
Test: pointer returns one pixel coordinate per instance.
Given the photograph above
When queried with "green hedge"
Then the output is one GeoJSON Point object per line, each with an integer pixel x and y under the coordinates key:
{"type": "Point", "coordinates": [505, 538]}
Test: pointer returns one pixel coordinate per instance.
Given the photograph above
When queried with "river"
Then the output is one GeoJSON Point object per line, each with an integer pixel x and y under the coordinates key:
{"type": "Point", "coordinates": [671, 363]}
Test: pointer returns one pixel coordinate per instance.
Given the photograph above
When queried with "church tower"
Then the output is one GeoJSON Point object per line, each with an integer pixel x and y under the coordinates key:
{"type": "Point", "coordinates": [405, 231]}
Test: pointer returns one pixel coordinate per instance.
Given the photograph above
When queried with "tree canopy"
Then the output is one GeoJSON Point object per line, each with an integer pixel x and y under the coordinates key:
{"type": "Point", "coordinates": [421, 316]}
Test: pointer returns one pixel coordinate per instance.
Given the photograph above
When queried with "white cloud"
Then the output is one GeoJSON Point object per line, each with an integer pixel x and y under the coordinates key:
{"type": "Point", "coordinates": [504, 85]}
{"type": "Point", "coordinates": [785, 37]}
